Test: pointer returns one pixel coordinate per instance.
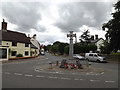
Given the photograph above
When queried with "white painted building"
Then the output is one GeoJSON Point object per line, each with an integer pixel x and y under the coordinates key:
{"type": "Point", "coordinates": [35, 43]}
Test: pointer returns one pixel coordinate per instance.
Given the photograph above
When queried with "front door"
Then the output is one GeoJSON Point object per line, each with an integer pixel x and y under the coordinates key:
{"type": "Point", "coordinates": [3, 54]}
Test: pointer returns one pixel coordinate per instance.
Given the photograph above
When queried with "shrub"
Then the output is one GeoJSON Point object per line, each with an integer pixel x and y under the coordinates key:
{"type": "Point", "coordinates": [66, 49]}
{"type": "Point", "coordinates": [19, 55]}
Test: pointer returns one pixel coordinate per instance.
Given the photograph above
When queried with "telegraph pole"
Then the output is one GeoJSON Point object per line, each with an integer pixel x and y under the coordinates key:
{"type": "Point", "coordinates": [71, 35]}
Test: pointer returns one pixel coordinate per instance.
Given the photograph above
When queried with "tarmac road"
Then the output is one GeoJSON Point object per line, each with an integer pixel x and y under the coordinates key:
{"type": "Point", "coordinates": [23, 74]}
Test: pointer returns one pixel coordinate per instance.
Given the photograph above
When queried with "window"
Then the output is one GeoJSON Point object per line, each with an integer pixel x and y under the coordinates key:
{"type": "Point", "coordinates": [3, 53]}
{"type": "Point", "coordinates": [26, 45]}
{"type": "Point", "coordinates": [95, 55]}
{"type": "Point", "coordinates": [13, 53]}
{"type": "Point", "coordinates": [14, 43]}
{"type": "Point", "coordinates": [90, 54]}
{"type": "Point", "coordinates": [26, 53]}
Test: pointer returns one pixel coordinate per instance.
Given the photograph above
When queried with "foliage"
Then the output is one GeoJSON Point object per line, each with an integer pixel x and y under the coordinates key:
{"type": "Point", "coordinates": [54, 48]}
{"type": "Point", "coordinates": [56, 43]}
{"type": "Point", "coordinates": [61, 47]}
{"type": "Point", "coordinates": [85, 37]}
{"type": "Point", "coordinates": [105, 48]}
{"type": "Point", "coordinates": [19, 55]}
{"type": "Point", "coordinates": [112, 28]}
{"type": "Point", "coordinates": [66, 49]}
{"type": "Point", "coordinates": [47, 48]}
{"type": "Point", "coordinates": [57, 47]}
{"type": "Point", "coordinates": [84, 48]}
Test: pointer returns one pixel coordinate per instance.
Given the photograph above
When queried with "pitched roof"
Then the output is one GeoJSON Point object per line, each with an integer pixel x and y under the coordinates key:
{"type": "Point", "coordinates": [95, 41]}
{"type": "Point", "coordinates": [33, 46]}
{"type": "Point", "coordinates": [7, 35]}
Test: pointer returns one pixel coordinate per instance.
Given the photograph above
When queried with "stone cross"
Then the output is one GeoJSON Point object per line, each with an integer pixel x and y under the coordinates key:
{"type": "Point", "coordinates": [71, 35]}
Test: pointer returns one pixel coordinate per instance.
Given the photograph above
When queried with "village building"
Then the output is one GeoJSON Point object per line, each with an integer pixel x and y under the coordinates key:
{"type": "Point", "coordinates": [97, 41]}
{"type": "Point", "coordinates": [14, 44]}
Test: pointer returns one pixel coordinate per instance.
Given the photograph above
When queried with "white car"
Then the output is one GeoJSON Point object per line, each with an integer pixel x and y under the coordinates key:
{"type": "Point", "coordinates": [77, 56]}
{"type": "Point", "coordinates": [94, 57]}
{"type": "Point", "coordinates": [42, 53]}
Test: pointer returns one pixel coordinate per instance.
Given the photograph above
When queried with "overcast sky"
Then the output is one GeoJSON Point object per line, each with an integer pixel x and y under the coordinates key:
{"type": "Point", "coordinates": [51, 20]}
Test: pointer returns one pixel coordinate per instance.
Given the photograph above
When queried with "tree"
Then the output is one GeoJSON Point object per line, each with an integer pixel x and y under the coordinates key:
{"type": "Point", "coordinates": [48, 47]}
{"type": "Point", "coordinates": [56, 43]}
{"type": "Point", "coordinates": [54, 49]}
{"type": "Point", "coordinates": [84, 48]}
{"type": "Point", "coordinates": [66, 49]}
{"type": "Point", "coordinates": [85, 37]}
{"type": "Point", "coordinates": [61, 47]}
{"type": "Point", "coordinates": [112, 28]}
{"type": "Point", "coordinates": [105, 48]}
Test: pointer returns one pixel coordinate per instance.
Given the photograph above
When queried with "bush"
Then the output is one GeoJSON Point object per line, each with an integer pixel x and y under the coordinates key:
{"type": "Point", "coordinates": [84, 48]}
{"type": "Point", "coordinates": [54, 48]}
{"type": "Point", "coordinates": [66, 49]}
{"type": "Point", "coordinates": [19, 55]}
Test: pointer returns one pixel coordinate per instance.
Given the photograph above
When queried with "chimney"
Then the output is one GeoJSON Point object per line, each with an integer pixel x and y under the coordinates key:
{"type": "Point", "coordinates": [4, 25]}
{"type": "Point", "coordinates": [96, 36]}
{"type": "Point", "coordinates": [28, 35]}
{"type": "Point", "coordinates": [34, 36]}
{"type": "Point", "coordinates": [92, 37]}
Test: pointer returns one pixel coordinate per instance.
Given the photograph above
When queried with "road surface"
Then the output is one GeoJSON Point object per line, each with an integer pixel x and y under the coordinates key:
{"type": "Point", "coordinates": [23, 74]}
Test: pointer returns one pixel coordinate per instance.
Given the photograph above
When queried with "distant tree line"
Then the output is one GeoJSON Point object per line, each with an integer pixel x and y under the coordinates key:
{"type": "Point", "coordinates": [63, 48]}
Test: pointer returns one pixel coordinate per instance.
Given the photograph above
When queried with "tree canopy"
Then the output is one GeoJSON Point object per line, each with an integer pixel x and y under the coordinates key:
{"type": "Point", "coordinates": [85, 37]}
{"type": "Point", "coordinates": [112, 28]}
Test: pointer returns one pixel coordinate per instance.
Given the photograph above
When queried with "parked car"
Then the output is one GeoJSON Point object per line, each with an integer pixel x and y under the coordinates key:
{"type": "Point", "coordinates": [95, 57]}
{"type": "Point", "coordinates": [42, 52]}
{"type": "Point", "coordinates": [77, 56]}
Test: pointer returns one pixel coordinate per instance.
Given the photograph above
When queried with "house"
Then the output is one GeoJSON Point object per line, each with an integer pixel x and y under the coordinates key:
{"type": "Point", "coordinates": [97, 41]}
{"type": "Point", "coordinates": [35, 43]}
{"type": "Point", "coordinates": [13, 43]}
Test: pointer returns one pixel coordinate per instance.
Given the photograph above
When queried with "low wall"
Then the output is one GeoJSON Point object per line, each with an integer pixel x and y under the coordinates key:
{"type": "Point", "coordinates": [21, 58]}
{"type": "Point", "coordinates": [112, 57]}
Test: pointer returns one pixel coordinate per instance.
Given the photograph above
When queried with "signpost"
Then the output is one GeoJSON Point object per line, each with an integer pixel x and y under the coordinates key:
{"type": "Point", "coordinates": [71, 35]}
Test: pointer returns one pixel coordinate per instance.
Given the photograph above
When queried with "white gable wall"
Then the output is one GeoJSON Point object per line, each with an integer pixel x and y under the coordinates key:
{"type": "Point", "coordinates": [99, 43]}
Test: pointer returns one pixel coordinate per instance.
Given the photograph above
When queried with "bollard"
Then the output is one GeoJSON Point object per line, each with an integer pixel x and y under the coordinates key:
{"type": "Point", "coordinates": [87, 63]}
{"type": "Point", "coordinates": [50, 65]}
{"type": "Point", "coordinates": [57, 63]}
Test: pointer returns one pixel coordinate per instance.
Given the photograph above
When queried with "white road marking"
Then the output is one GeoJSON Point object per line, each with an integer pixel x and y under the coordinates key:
{"type": "Point", "coordinates": [7, 73]}
{"type": "Point", "coordinates": [76, 79]}
{"type": "Point", "coordinates": [94, 80]}
{"type": "Point", "coordinates": [40, 69]}
{"type": "Point", "coordinates": [18, 74]}
{"type": "Point", "coordinates": [40, 76]}
{"type": "Point", "coordinates": [81, 79]}
{"type": "Point", "coordinates": [102, 72]}
{"type": "Point", "coordinates": [109, 81]}
{"type": "Point", "coordinates": [61, 73]}
{"type": "Point", "coordinates": [53, 77]}
{"type": "Point", "coordinates": [52, 72]}
{"type": "Point", "coordinates": [56, 72]}
{"type": "Point", "coordinates": [37, 70]}
{"type": "Point", "coordinates": [65, 78]}
{"type": "Point", "coordinates": [28, 75]}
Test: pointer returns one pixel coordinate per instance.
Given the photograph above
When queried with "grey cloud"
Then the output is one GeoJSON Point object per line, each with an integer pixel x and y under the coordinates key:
{"type": "Point", "coordinates": [74, 15]}
{"type": "Point", "coordinates": [24, 15]}
{"type": "Point", "coordinates": [48, 38]}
